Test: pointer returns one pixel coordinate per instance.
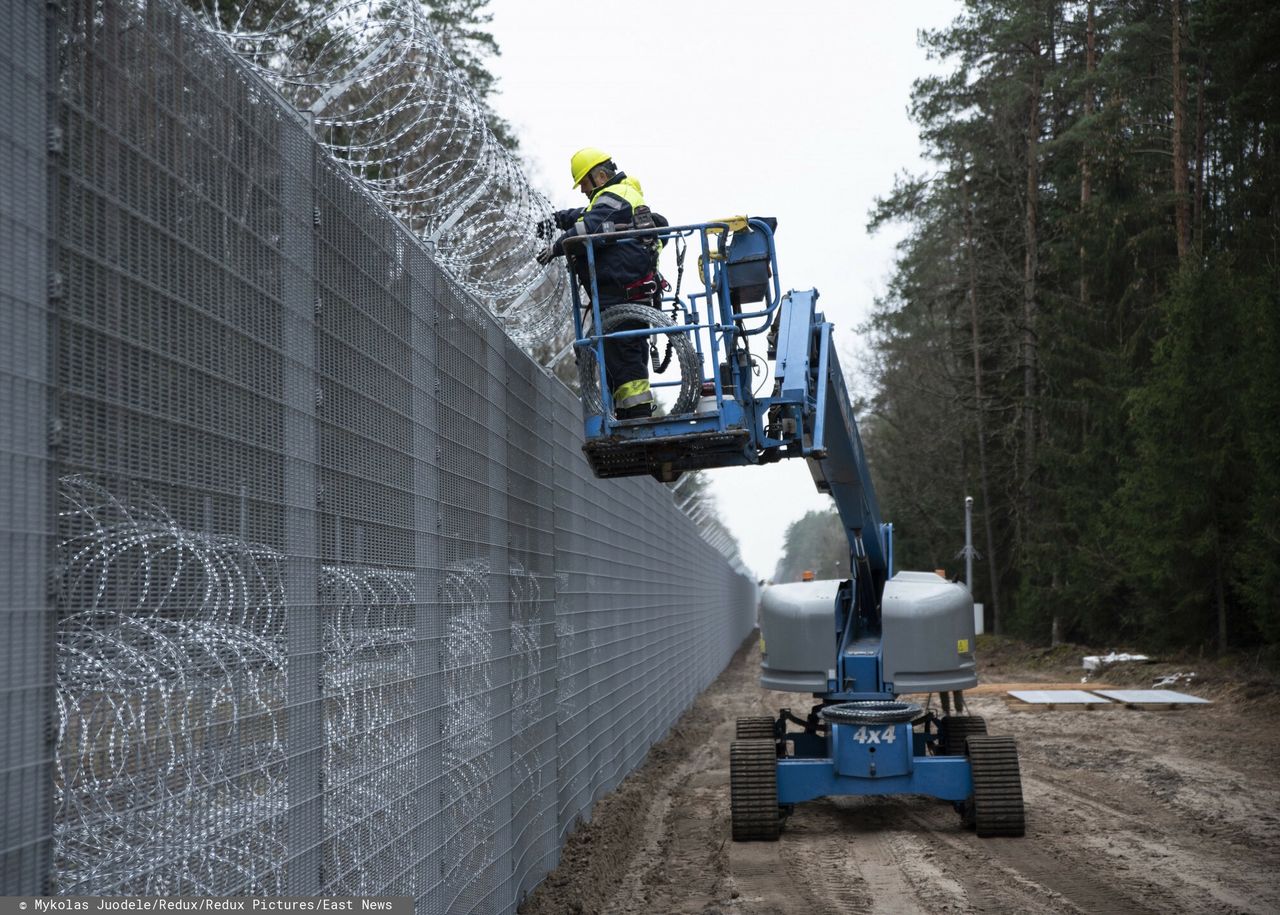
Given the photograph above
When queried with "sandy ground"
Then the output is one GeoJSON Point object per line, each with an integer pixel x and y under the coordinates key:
{"type": "Point", "coordinates": [1127, 811]}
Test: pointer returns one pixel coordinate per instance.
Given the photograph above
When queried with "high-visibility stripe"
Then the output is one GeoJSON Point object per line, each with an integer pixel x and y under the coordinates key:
{"type": "Point", "coordinates": [632, 394]}
{"type": "Point", "coordinates": [627, 190]}
{"type": "Point", "coordinates": [608, 201]}
{"type": "Point", "coordinates": [628, 402]}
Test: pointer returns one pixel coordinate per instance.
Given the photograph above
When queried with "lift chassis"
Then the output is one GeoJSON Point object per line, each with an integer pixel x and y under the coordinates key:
{"type": "Point", "coordinates": [854, 646]}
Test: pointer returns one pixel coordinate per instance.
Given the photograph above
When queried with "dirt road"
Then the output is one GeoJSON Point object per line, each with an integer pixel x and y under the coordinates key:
{"type": "Point", "coordinates": [1128, 811]}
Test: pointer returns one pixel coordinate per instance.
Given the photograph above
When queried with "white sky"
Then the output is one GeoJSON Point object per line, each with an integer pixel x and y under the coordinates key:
{"type": "Point", "coordinates": [795, 110]}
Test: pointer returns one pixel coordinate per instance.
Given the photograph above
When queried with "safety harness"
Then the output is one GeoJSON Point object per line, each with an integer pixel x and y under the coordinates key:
{"type": "Point", "coordinates": [660, 366]}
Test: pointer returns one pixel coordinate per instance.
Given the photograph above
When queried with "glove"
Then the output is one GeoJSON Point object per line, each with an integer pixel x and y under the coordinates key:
{"type": "Point", "coordinates": [565, 219]}
{"type": "Point", "coordinates": [547, 228]}
{"type": "Point", "coordinates": [546, 254]}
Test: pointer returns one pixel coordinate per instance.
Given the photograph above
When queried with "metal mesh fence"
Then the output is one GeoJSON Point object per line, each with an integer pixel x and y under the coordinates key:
{"type": "Point", "coordinates": [306, 586]}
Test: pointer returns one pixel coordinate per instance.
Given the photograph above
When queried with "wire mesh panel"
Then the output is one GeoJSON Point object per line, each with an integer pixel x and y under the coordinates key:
{"type": "Point", "coordinates": [573, 616]}
{"type": "Point", "coordinates": [172, 600]}
{"type": "Point", "coordinates": [647, 614]}
{"type": "Point", "coordinates": [26, 669]}
{"type": "Point", "coordinates": [368, 579]}
{"type": "Point", "coordinates": [533, 646]}
{"type": "Point", "coordinates": [337, 604]}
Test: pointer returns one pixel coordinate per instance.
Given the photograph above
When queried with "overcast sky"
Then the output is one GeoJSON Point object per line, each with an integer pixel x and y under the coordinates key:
{"type": "Point", "coordinates": [794, 110]}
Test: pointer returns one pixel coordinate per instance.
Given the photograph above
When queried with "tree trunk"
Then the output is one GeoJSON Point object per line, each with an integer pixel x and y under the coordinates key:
{"type": "Point", "coordinates": [1197, 220]}
{"type": "Point", "coordinates": [1182, 200]}
{"type": "Point", "coordinates": [1086, 177]}
{"type": "Point", "coordinates": [1031, 265]}
{"type": "Point", "coordinates": [1220, 598]}
{"type": "Point", "coordinates": [1055, 626]}
{"type": "Point", "coordinates": [979, 413]}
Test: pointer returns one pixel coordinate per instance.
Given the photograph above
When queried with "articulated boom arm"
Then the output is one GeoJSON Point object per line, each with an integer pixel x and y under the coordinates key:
{"type": "Point", "coordinates": [811, 386]}
{"type": "Point", "coordinates": [839, 466]}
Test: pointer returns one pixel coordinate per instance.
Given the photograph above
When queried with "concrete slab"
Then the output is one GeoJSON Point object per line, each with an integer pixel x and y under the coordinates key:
{"type": "Point", "coordinates": [1152, 697]}
{"type": "Point", "coordinates": [1055, 696]}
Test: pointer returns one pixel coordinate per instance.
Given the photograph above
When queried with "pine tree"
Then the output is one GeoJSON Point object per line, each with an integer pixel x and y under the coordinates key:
{"type": "Point", "coordinates": [1091, 287]}
{"type": "Point", "coordinates": [460, 26]}
{"type": "Point", "coordinates": [816, 543]}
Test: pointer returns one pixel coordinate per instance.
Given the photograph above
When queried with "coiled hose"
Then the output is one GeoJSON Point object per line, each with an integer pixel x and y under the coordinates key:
{"type": "Point", "coordinates": [612, 319]}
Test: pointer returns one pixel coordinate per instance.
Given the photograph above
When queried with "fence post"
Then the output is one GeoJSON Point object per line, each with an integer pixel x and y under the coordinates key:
{"type": "Point", "coordinates": [428, 676]}
{"type": "Point", "coordinates": [500, 600]}
{"type": "Point", "coordinates": [968, 543]}
{"type": "Point", "coordinates": [304, 724]}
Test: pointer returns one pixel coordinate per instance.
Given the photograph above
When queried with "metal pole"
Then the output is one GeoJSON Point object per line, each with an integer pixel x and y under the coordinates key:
{"type": "Point", "coordinates": [968, 543]}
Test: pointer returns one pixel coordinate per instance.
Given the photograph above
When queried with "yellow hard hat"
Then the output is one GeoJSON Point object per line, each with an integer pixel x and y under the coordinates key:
{"type": "Point", "coordinates": [584, 160]}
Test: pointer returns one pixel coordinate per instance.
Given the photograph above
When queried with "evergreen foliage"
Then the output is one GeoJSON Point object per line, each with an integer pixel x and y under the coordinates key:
{"type": "Point", "coordinates": [460, 26]}
{"type": "Point", "coordinates": [816, 543]}
{"type": "Point", "coordinates": [1083, 330]}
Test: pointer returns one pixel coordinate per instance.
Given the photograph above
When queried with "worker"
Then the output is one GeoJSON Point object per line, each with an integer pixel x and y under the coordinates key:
{"type": "Point", "coordinates": [626, 270]}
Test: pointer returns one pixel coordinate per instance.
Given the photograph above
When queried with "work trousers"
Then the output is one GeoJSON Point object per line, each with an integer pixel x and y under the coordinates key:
{"type": "Point", "coordinates": [624, 360]}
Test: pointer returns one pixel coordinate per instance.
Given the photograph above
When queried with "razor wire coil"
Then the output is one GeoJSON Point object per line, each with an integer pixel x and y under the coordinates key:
{"type": "Point", "coordinates": [389, 103]}
{"type": "Point", "coordinates": [618, 317]}
{"type": "Point", "coordinates": [172, 698]}
{"type": "Point", "coordinates": [872, 711]}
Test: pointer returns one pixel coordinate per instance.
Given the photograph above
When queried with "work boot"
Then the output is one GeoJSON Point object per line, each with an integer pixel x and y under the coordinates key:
{"type": "Point", "coordinates": [639, 411]}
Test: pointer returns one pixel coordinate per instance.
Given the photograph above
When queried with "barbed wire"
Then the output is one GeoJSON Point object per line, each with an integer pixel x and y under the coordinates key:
{"type": "Point", "coordinates": [170, 687]}
{"type": "Point", "coordinates": [389, 103]}
{"type": "Point", "coordinates": [173, 743]}
{"type": "Point", "coordinates": [370, 738]}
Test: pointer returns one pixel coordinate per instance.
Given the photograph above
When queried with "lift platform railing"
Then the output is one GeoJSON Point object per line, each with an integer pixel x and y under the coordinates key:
{"type": "Point", "coordinates": [717, 326]}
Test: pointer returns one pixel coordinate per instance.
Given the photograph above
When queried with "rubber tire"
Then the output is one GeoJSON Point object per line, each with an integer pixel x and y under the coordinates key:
{"type": "Point", "coordinates": [755, 728]}
{"type": "Point", "coordinates": [995, 808]}
{"type": "Point", "coordinates": [753, 791]}
{"type": "Point", "coordinates": [954, 730]}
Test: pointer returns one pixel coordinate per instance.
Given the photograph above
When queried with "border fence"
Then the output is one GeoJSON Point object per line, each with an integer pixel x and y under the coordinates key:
{"type": "Point", "coordinates": [306, 587]}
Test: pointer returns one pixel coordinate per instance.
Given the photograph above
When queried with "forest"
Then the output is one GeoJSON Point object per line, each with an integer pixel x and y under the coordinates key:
{"type": "Point", "coordinates": [1083, 327]}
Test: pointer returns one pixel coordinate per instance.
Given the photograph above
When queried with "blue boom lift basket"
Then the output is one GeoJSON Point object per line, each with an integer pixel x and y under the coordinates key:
{"type": "Point", "coordinates": [723, 421]}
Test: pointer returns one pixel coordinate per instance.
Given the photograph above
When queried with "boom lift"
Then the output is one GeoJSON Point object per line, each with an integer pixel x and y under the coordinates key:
{"type": "Point", "coordinates": [856, 645]}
